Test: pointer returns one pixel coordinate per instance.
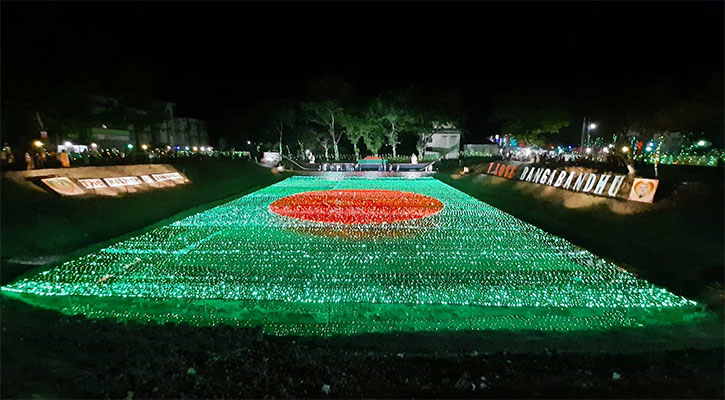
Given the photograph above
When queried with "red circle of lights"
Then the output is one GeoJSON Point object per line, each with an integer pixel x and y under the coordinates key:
{"type": "Point", "coordinates": [356, 206]}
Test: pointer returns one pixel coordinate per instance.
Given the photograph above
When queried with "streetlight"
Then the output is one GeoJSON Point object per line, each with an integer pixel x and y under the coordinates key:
{"type": "Point", "coordinates": [144, 147]}
{"type": "Point", "coordinates": [587, 126]}
{"type": "Point", "coordinates": [38, 144]}
{"type": "Point", "coordinates": [625, 149]}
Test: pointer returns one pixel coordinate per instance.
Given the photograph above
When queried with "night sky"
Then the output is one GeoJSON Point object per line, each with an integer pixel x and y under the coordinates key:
{"type": "Point", "coordinates": [212, 58]}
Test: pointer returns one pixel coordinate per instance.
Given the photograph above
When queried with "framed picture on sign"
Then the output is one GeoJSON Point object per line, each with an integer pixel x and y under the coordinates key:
{"type": "Point", "coordinates": [643, 190]}
{"type": "Point", "coordinates": [63, 186]}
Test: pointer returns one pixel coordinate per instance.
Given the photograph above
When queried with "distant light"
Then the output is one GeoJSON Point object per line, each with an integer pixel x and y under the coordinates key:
{"type": "Point", "coordinates": [647, 148]}
{"type": "Point", "coordinates": [589, 150]}
{"type": "Point", "coordinates": [186, 148]}
{"type": "Point", "coordinates": [209, 148]}
{"type": "Point", "coordinates": [701, 143]}
{"type": "Point", "coordinates": [68, 144]}
{"type": "Point", "coordinates": [625, 149]}
{"type": "Point", "coordinates": [144, 147]}
{"type": "Point", "coordinates": [177, 147]}
{"type": "Point", "coordinates": [168, 147]}
{"type": "Point", "coordinates": [203, 148]}
{"type": "Point", "coordinates": [497, 137]}
{"type": "Point", "coordinates": [606, 149]}
{"type": "Point", "coordinates": [592, 126]}
{"type": "Point", "coordinates": [249, 142]}
{"type": "Point", "coordinates": [611, 146]}
{"type": "Point", "coordinates": [130, 146]}
{"type": "Point", "coordinates": [38, 144]}
{"type": "Point", "coordinates": [94, 145]}
{"type": "Point", "coordinates": [195, 148]}
{"type": "Point", "coordinates": [104, 126]}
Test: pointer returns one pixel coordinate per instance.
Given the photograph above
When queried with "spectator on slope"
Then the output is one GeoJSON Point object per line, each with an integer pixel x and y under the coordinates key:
{"type": "Point", "coordinates": [30, 164]}
{"type": "Point", "coordinates": [63, 158]}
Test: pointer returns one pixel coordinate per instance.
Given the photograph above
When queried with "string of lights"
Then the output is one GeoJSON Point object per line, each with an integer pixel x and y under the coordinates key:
{"type": "Point", "coordinates": [314, 255]}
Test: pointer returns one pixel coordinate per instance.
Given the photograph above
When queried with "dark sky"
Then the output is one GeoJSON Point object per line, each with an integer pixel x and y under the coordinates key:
{"type": "Point", "coordinates": [210, 57]}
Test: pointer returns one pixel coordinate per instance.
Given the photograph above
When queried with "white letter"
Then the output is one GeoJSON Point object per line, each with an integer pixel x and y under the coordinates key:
{"type": "Point", "coordinates": [579, 181]}
{"type": "Point", "coordinates": [616, 184]}
{"type": "Point", "coordinates": [523, 174]}
{"type": "Point", "coordinates": [590, 183]}
{"type": "Point", "coordinates": [560, 180]}
{"type": "Point", "coordinates": [568, 180]}
{"type": "Point", "coordinates": [601, 184]}
{"type": "Point", "coordinates": [545, 176]}
{"type": "Point", "coordinates": [551, 178]}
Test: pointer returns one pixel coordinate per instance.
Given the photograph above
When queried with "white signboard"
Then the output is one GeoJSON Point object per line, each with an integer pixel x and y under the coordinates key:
{"type": "Point", "coordinates": [147, 179]}
{"type": "Point", "coordinates": [92, 183]}
{"type": "Point", "coordinates": [122, 181]}
{"type": "Point", "coordinates": [167, 177]}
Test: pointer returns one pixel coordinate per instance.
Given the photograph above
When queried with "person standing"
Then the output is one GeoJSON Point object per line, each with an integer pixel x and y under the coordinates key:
{"type": "Point", "coordinates": [29, 162]}
{"type": "Point", "coordinates": [63, 158]}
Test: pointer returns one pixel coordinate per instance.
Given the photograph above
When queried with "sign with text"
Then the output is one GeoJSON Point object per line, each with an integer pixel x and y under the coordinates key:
{"type": "Point", "coordinates": [92, 183]}
{"type": "Point", "coordinates": [122, 181]}
{"type": "Point", "coordinates": [147, 179]}
{"type": "Point", "coordinates": [172, 176]}
{"type": "Point", "coordinates": [63, 186]}
{"type": "Point", "coordinates": [111, 186]}
{"type": "Point", "coordinates": [643, 190]}
{"type": "Point", "coordinates": [503, 170]}
{"type": "Point", "coordinates": [575, 179]}
{"type": "Point", "coordinates": [604, 184]}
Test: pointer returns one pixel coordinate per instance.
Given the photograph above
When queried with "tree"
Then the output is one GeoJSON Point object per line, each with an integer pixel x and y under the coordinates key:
{"type": "Point", "coordinates": [530, 122]}
{"type": "Point", "coordinates": [356, 128]}
{"type": "Point", "coordinates": [284, 117]}
{"type": "Point", "coordinates": [393, 117]}
{"type": "Point", "coordinates": [326, 113]}
{"type": "Point", "coordinates": [279, 116]}
{"type": "Point", "coordinates": [373, 139]}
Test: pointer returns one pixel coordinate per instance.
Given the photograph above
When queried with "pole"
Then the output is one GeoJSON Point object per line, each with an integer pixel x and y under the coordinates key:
{"type": "Point", "coordinates": [584, 129]}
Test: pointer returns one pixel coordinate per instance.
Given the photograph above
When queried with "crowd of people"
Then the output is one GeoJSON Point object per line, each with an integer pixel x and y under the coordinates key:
{"type": "Point", "coordinates": [43, 158]}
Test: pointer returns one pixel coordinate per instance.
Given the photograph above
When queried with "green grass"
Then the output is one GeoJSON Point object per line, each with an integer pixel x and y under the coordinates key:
{"type": "Point", "coordinates": [469, 267]}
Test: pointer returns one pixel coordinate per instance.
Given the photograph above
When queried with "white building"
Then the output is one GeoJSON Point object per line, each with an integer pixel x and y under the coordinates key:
{"type": "Point", "coordinates": [445, 143]}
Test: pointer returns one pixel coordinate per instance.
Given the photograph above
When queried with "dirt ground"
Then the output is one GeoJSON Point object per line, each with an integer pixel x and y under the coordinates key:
{"type": "Point", "coordinates": [48, 355]}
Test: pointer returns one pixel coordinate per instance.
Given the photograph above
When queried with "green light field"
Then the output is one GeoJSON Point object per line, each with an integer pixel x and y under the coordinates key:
{"type": "Point", "coordinates": [469, 267]}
